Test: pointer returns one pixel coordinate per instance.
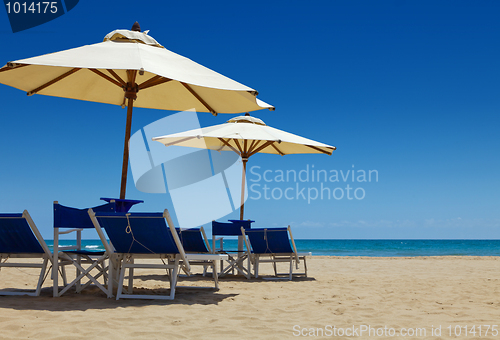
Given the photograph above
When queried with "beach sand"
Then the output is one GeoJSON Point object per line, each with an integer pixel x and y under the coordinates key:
{"type": "Point", "coordinates": [353, 294]}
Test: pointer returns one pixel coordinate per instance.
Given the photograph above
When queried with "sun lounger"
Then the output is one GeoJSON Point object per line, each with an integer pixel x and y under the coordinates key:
{"type": "Point", "coordinates": [272, 245]}
{"type": "Point", "coordinates": [20, 238]}
{"type": "Point", "coordinates": [144, 236]}
{"type": "Point", "coordinates": [235, 258]}
{"type": "Point", "coordinates": [89, 264]}
{"type": "Point", "coordinates": [194, 240]}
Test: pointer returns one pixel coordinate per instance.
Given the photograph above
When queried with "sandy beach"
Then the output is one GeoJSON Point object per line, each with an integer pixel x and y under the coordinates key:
{"type": "Point", "coordinates": [356, 297]}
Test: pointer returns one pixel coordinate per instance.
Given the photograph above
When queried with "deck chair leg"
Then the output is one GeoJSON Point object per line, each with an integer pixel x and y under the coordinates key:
{"type": "Point", "coordinates": [78, 272]}
{"type": "Point", "coordinates": [111, 278]}
{"type": "Point", "coordinates": [63, 275]}
{"type": "Point", "coordinates": [173, 282]}
{"type": "Point", "coordinates": [120, 282]}
{"type": "Point", "coordinates": [89, 282]}
{"type": "Point", "coordinates": [256, 268]}
{"type": "Point", "coordinates": [55, 275]}
{"type": "Point", "coordinates": [305, 266]}
{"type": "Point", "coordinates": [215, 276]}
{"type": "Point", "coordinates": [116, 274]}
{"type": "Point", "coordinates": [104, 270]}
{"type": "Point", "coordinates": [84, 272]}
{"type": "Point", "coordinates": [131, 278]}
{"type": "Point", "coordinates": [274, 266]}
{"type": "Point", "coordinates": [42, 276]}
{"type": "Point", "coordinates": [291, 267]}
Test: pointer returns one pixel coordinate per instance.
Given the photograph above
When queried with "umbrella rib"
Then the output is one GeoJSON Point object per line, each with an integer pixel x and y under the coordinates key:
{"type": "Point", "coordinates": [222, 147]}
{"type": "Point", "coordinates": [239, 147]}
{"type": "Point", "coordinates": [108, 78]}
{"type": "Point", "coordinates": [53, 81]}
{"type": "Point", "coordinates": [278, 150]}
{"type": "Point", "coordinates": [11, 66]}
{"type": "Point", "coordinates": [256, 142]}
{"type": "Point", "coordinates": [146, 83]}
{"type": "Point", "coordinates": [180, 141]}
{"type": "Point", "coordinates": [265, 145]}
{"type": "Point", "coordinates": [197, 96]}
{"type": "Point", "coordinates": [117, 77]}
{"type": "Point", "coordinates": [229, 146]}
{"type": "Point", "coordinates": [158, 80]}
{"type": "Point", "coordinates": [320, 150]}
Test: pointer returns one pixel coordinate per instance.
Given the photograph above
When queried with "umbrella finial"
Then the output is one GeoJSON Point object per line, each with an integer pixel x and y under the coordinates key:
{"type": "Point", "coordinates": [136, 27]}
{"type": "Point", "coordinates": [247, 114]}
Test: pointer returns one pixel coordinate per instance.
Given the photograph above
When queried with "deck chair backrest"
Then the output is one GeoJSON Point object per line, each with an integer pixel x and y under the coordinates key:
{"type": "Point", "coordinates": [193, 240]}
{"type": "Point", "coordinates": [269, 241]}
{"type": "Point", "coordinates": [229, 229]}
{"type": "Point", "coordinates": [138, 233]}
{"type": "Point", "coordinates": [68, 217]}
{"type": "Point", "coordinates": [20, 238]}
{"type": "Point", "coordinates": [16, 236]}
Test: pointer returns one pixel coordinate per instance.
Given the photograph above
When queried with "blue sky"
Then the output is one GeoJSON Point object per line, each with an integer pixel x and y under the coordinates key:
{"type": "Point", "coordinates": [407, 88]}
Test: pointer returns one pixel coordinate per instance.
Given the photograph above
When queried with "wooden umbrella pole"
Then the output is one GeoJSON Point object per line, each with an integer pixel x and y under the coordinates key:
{"type": "Point", "coordinates": [242, 207]}
{"type": "Point", "coordinates": [123, 187]}
{"type": "Point", "coordinates": [131, 89]}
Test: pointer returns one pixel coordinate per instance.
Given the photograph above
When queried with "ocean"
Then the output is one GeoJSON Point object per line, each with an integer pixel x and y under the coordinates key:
{"type": "Point", "coordinates": [370, 248]}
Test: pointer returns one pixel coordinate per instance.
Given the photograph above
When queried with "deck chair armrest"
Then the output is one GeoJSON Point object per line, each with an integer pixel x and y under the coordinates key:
{"type": "Point", "coordinates": [297, 261]}
{"type": "Point", "coordinates": [185, 264]}
{"type": "Point", "coordinates": [38, 235]}
{"type": "Point", "coordinates": [206, 257]}
{"type": "Point", "coordinates": [70, 231]}
{"type": "Point", "coordinates": [207, 244]}
{"type": "Point", "coordinates": [247, 244]}
{"type": "Point", "coordinates": [221, 244]}
{"type": "Point", "coordinates": [109, 248]}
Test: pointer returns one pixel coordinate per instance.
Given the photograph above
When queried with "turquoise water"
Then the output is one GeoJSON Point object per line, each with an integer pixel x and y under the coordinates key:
{"type": "Point", "coordinates": [373, 248]}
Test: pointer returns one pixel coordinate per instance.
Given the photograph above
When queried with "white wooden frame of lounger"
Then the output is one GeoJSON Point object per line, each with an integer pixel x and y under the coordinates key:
{"type": "Point", "coordinates": [47, 256]}
{"type": "Point", "coordinates": [119, 262]}
{"type": "Point", "coordinates": [274, 258]}
{"type": "Point", "coordinates": [204, 263]}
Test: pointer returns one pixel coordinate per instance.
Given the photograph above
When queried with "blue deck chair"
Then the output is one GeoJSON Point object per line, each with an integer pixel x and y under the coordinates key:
{"type": "Point", "coordinates": [275, 244]}
{"type": "Point", "coordinates": [144, 236]}
{"type": "Point", "coordinates": [236, 258]}
{"type": "Point", "coordinates": [89, 264]}
{"type": "Point", "coordinates": [20, 238]}
{"type": "Point", "coordinates": [194, 240]}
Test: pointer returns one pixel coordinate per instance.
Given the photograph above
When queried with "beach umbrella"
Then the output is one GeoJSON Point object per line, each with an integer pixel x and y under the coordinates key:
{"type": "Point", "coordinates": [246, 136]}
{"type": "Point", "coordinates": [130, 68]}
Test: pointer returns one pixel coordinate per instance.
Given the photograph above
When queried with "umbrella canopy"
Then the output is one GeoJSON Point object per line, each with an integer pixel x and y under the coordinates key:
{"type": "Point", "coordinates": [246, 136]}
{"type": "Point", "coordinates": [130, 68]}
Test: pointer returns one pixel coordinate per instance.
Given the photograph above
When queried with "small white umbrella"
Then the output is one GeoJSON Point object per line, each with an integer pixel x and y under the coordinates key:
{"type": "Point", "coordinates": [246, 136]}
{"type": "Point", "coordinates": [130, 68]}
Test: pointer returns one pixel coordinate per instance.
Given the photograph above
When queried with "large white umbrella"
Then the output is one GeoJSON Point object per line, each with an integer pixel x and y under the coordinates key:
{"type": "Point", "coordinates": [130, 68]}
{"type": "Point", "coordinates": [246, 136]}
